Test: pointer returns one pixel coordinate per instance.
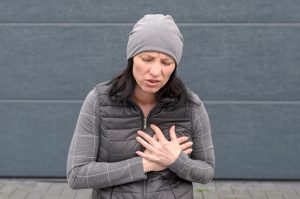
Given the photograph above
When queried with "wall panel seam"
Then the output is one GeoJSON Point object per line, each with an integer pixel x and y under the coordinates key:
{"type": "Point", "coordinates": [131, 24]}
{"type": "Point", "coordinates": [204, 101]}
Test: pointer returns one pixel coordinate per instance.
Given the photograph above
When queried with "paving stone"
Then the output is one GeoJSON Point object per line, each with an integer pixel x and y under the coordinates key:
{"type": "Point", "coordinates": [41, 187]}
{"type": "Point", "coordinates": [14, 182]}
{"type": "Point", "coordinates": [291, 196]}
{"type": "Point", "coordinates": [242, 191]}
{"type": "Point", "coordinates": [224, 191]}
{"type": "Point", "coordinates": [276, 197]}
{"type": "Point", "coordinates": [34, 195]}
{"type": "Point", "coordinates": [197, 195]}
{"type": "Point", "coordinates": [211, 195]}
{"type": "Point", "coordinates": [25, 188]}
{"type": "Point", "coordinates": [84, 194]}
{"type": "Point", "coordinates": [255, 193]}
{"type": "Point", "coordinates": [55, 197]}
{"type": "Point", "coordinates": [19, 194]}
{"type": "Point", "coordinates": [241, 187]}
{"type": "Point", "coordinates": [55, 189]}
{"type": "Point", "coordinates": [289, 191]}
{"type": "Point", "coordinates": [30, 183]}
{"type": "Point", "coordinates": [241, 196]}
{"type": "Point", "coordinates": [235, 196]}
{"type": "Point", "coordinates": [268, 186]}
{"type": "Point", "coordinates": [4, 196]}
{"type": "Point", "coordinates": [2, 184]}
{"type": "Point", "coordinates": [223, 185]}
{"type": "Point", "coordinates": [68, 192]}
{"type": "Point", "coordinates": [253, 185]}
{"type": "Point", "coordinates": [227, 196]}
{"type": "Point", "coordinates": [210, 186]}
{"type": "Point", "coordinates": [7, 189]}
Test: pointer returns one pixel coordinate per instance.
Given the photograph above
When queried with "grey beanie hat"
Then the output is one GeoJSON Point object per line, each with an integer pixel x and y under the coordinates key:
{"type": "Point", "coordinates": [155, 32]}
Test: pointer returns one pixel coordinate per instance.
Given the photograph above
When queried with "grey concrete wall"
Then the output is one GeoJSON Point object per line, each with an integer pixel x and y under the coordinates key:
{"type": "Point", "coordinates": [241, 57]}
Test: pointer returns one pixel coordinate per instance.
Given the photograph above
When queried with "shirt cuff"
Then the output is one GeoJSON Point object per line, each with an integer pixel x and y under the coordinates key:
{"type": "Point", "coordinates": [137, 169]}
{"type": "Point", "coordinates": [179, 163]}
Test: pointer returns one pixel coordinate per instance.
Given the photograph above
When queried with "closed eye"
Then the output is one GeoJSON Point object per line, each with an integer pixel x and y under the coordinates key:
{"type": "Point", "coordinates": [167, 63]}
{"type": "Point", "coordinates": [147, 59]}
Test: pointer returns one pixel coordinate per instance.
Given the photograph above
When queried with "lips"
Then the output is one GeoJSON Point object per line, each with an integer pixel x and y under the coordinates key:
{"type": "Point", "coordinates": [152, 82]}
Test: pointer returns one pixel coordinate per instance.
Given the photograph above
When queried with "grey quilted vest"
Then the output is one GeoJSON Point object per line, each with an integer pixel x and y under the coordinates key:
{"type": "Point", "coordinates": [119, 123]}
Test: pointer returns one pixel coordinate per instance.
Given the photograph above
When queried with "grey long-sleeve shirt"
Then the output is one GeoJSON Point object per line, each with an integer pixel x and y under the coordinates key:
{"type": "Point", "coordinates": [84, 172]}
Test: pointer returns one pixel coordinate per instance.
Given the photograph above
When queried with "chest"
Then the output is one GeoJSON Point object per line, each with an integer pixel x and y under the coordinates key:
{"type": "Point", "coordinates": [119, 124]}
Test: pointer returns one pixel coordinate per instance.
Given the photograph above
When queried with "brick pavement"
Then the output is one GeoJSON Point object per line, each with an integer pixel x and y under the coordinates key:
{"type": "Point", "coordinates": [59, 189]}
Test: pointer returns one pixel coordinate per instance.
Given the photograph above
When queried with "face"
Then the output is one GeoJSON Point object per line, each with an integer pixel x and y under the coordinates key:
{"type": "Point", "coordinates": [152, 70]}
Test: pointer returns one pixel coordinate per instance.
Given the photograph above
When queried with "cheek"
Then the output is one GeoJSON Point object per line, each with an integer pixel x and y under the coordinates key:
{"type": "Point", "coordinates": [168, 73]}
{"type": "Point", "coordinates": [137, 71]}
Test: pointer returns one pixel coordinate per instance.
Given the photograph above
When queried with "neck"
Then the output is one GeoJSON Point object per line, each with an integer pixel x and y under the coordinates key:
{"type": "Point", "coordinates": [145, 101]}
{"type": "Point", "coordinates": [143, 98]}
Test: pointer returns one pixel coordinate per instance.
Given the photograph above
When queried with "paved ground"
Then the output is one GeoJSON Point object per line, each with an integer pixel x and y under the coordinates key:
{"type": "Point", "coordinates": [59, 189]}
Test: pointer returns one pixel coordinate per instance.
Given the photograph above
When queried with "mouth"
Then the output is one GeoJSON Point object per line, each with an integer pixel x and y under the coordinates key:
{"type": "Point", "coordinates": [152, 82]}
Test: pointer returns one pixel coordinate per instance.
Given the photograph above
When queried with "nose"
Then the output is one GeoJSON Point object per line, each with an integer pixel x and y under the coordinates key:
{"type": "Point", "coordinates": [155, 70]}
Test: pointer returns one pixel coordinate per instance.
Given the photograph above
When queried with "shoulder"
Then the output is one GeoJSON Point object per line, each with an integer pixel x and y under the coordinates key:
{"type": "Point", "coordinates": [102, 88]}
{"type": "Point", "coordinates": [102, 93]}
{"type": "Point", "coordinates": [98, 90]}
{"type": "Point", "coordinates": [194, 99]}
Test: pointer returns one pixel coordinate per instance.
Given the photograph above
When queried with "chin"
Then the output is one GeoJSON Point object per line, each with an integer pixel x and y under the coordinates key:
{"type": "Point", "coordinates": [151, 90]}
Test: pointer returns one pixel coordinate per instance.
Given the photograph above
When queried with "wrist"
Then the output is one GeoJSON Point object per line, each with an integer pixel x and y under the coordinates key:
{"type": "Point", "coordinates": [175, 157]}
{"type": "Point", "coordinates": [146, 165]}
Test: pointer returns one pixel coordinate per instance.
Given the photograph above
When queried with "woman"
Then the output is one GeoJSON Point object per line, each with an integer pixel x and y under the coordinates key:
{"type": "Point", "coordinates": [143, 134]}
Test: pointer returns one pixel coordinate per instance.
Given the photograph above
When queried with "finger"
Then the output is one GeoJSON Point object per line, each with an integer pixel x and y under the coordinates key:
{"type": "Point", "coordinates": [145, 144]}
{"type": "Point", "coordinates": [158, 132]}
{"type": "Point", "coordinates": [188, 151]}
{"type": "Point", "coordinates": [146, 137]}
{"type": "Point", "coordinates": [155, 137]}
{"type": "Point", "coordinates": [182, 139]}
{"type": "Point", "coordinates": [186, 145]}
{"type": "Point", "coordinates": [147, 156]}
{"type": "Point", "coordinates": [173, 134]}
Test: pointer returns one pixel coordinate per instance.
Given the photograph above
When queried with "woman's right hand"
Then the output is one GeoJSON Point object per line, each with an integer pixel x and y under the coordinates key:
{"type": "Point", "coordinates": [185, 145]}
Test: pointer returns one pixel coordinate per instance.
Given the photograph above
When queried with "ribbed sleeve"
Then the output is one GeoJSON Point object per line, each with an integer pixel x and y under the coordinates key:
{"type": "Point", "coordinates": [200, 167]}
{"type": "Point", "coordinates": [82, 169]}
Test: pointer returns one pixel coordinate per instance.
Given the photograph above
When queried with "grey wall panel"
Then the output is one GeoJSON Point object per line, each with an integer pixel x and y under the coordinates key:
{"type": "Point", "coordinates": [251, 140]}
{"type": "Point", "coordinates": [59, 62]}
{"type": "Point", "coordinates": [254, 140]}
{"type": "Point", "coordinates": [227, 62]}
{"type": "Point", "coordinates": [35, 137]}
{"type": "Point", "coordinates": [129, 11]}
{"type": "Point", "coordinates": [236, 62]}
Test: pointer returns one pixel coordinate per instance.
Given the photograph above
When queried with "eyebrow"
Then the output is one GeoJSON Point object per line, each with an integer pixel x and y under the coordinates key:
{"type": "Point", "coordinates": [151, 56]}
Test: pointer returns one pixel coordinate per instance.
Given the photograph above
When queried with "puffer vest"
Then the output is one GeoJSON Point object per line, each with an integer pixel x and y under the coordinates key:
{"type": "Point", "coordinates": [119, 123]}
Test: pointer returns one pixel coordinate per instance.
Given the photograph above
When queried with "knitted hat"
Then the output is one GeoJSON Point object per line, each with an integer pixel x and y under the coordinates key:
{"type": "Point", "coordinates": [155, 32]}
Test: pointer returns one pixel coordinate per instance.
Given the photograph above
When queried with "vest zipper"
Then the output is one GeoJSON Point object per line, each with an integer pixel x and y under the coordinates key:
{"type": "Point", "coordinates": [144, 192]}
{"type": "Point", "coordinates": [145, 123]}
{"type": "Point", "coordinates": [145, 119]}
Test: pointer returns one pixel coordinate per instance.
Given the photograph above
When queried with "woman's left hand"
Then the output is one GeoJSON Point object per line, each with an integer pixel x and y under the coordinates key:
{"type": "Point", "coordinates": [162, 151]}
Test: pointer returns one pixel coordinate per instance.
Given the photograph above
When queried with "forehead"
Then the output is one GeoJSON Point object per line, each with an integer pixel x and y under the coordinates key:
{"type": "Point", "coordinates": [156, 54]}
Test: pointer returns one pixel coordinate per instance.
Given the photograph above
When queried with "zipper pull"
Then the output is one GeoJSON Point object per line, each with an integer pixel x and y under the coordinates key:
{"type": "Point", "coordinates": [145, 124]}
